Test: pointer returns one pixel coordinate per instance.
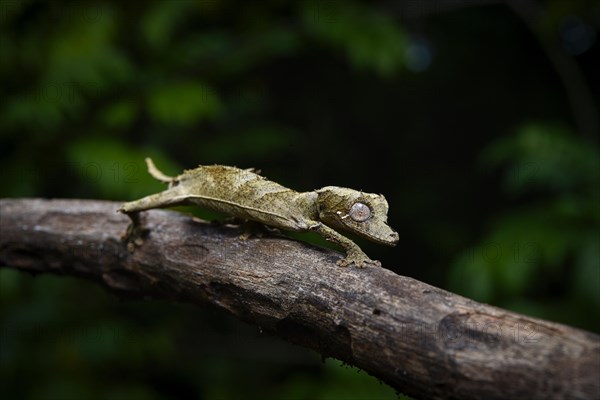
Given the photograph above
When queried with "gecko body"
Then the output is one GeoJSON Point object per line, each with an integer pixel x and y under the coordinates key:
{"type": "Point", "coordinates": [244, 194]}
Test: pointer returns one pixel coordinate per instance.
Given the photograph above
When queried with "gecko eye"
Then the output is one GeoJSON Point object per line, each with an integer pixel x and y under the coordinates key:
{"type": "Point", "coordinates": [360, 212]}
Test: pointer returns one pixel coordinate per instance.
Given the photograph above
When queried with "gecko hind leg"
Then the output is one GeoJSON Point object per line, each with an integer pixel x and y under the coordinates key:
{"type": "Point", "coordinates": [252, 229]}
{"type": "Point", "coordinates": [248, 228]}
{"type": "Point", "coordinates": [135, 233]}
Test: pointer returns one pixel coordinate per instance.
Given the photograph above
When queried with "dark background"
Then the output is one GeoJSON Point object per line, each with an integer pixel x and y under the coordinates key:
{"type": "Point", "coordinates": [478, 120]}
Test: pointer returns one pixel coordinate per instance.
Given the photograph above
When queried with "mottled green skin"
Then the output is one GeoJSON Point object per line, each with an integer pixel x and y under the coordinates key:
{"type": "Point", "coordinates": [244, 194]}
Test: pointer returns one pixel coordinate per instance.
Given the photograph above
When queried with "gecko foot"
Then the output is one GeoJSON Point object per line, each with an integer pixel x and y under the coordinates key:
{"type": "Point", "coordinates": [135, 233]}
{"type": "Point", "coordinates": [252, 229]}
{"type": "Point", "coordinates": [359, 259]}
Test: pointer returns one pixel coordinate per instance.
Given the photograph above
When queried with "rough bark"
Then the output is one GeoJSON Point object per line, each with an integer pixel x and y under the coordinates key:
{"type": "Point", "coordinates": [421, 340]}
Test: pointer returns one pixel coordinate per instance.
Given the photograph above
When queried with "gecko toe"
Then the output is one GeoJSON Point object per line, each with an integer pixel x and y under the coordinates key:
{"type": "Point", "coordinates": [343, 262]}
{"type": "Point", "coordinates": [358, 260]}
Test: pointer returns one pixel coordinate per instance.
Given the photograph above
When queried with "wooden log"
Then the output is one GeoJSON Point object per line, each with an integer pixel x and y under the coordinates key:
{"type": "Point", "coordinates": [421, 340]}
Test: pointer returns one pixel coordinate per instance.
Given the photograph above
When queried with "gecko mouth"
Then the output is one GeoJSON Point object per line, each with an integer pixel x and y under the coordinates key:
{"type": "Point", "coordinates": [389, 238]}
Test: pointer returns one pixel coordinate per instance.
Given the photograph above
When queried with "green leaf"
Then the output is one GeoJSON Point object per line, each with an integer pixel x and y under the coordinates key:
{"type": "Point", "coordinates": [109, 169]}
{"type": "Point", "coordinates": [544, 156]}
{"type": "Point", "coordinates": [370, 39]}
{"type": "Point", "coordinates": [40, 112]}
{"type": "Point", "coordinates": [119, 114]}
{"type": "Point", "coordinates": [471, 275]}
{"type": "Point", "coordinates": [253, 142]}
{"type": "Point", "coordinates": [161, 19]}
{"type": "Point", "coordinates": [82, 52]}
{"type": "Point", "coordinates": [184, 103]}
{"type": "Point", "coordinates": [586, 282]}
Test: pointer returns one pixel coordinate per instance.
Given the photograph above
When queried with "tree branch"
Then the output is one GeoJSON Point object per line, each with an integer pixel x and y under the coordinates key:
{"type": "Point", "coordinates": [419, 339]}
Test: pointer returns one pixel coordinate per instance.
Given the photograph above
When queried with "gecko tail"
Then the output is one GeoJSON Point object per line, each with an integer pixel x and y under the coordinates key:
{"type": "Point", "coordinates": [156, 173]}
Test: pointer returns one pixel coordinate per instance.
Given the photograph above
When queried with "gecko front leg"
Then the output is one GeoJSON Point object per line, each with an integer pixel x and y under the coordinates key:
{"type": "Point", "coordinates": [354, 255]}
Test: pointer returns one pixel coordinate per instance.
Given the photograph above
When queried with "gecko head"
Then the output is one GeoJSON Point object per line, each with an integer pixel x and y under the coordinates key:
{"type": "Point", "coordinates": [364, 214]}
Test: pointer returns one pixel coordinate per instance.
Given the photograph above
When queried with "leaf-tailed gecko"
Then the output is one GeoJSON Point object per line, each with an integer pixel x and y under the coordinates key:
{"type": "Point", "coordinates": [243, 193]}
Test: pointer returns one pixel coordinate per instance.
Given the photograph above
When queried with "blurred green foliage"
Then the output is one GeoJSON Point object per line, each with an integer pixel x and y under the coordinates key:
{"type": "Point", "coordinates": [428, 104]}
{"type": "Point", "coordinates": [552, 237]}
{"type": "Point", "coordinates": [369, 38]}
